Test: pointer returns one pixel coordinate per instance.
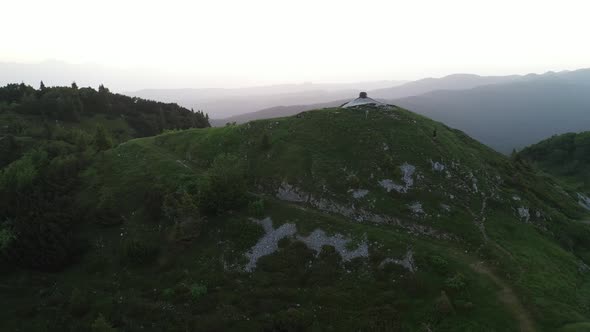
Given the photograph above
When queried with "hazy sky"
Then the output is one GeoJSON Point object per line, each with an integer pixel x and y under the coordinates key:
{"type": "Point", "coordinates": [229, 43]}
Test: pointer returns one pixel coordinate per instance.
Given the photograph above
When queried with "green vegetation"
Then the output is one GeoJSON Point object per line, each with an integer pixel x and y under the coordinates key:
{"type": "Point", "coordinates": [438, 233]}
{"type": "Point", "coordinates": [82, 116]}
{"type": "Point", "coordinates": [565, 156]}
{"type": "Point", "coordinates": [47, 138]}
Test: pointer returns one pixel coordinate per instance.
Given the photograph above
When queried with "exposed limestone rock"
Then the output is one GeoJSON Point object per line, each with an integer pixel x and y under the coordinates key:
{"type": "Point", "coordinates": [357, 214]}
{"type": "Point", "coordinates": [524, 213]}
{"type": "Point", "coordinates": [289, 193]}
{"type": "Point", "coordinates": [269, 243]}
{"type": "Point", "coordinates": [584, 201]}
{"type": "Point", "coordinates": [416, 208]}
{"type": "Point", "coordinates": [436, 166]}
{"type": "Point", "coordinates": [407, 262]}
{"type": "Point", "coordinates": [359, 193]}
{"type": "Point", "coordinates": [318, 238]}
{"type": "Point", "coordinates": [407, 172]}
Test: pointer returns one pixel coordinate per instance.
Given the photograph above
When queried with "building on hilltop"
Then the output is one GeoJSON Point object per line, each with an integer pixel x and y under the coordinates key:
{"type": "Point", "coordinates": [363, 99]}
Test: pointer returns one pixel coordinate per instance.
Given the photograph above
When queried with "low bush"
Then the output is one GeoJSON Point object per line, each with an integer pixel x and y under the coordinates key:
{"type": "Point", "coordinates": [101, 324]}
{"type": "Point", "coordinates": [138, 251]}
{"type": "Point", "coordinates": [256, 208]}
{"type": "Point", "coordinates": [456, 283]}
{"type": "Point", "coordinates": [78, 303]}
{"type": "Point", "coordinates": [223, 187]}
{"type": "Point", "coordinates": [197, 291]}
{"type": "Point", "coordinates": [440, 264]}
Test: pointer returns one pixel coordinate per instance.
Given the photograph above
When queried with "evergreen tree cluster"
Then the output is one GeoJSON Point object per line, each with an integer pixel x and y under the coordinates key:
{"type": "Point", "coordinates": [563, 155]}
{"type": "Point", "coordinates": [45, 145]}
{"type": "Point", "coordinates": [69, 104]}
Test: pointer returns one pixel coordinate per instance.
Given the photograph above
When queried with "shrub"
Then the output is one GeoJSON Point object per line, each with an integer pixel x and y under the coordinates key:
{"type": "Point", "coordinates": [186, 231]}
{"type": "Point", "coordinates": [265, 142]}
{"type": "Point", "coordinates": [456, 282]}
{"type": "Point", "coordinates": [256, 208]}
{"type": "Point", "coordinates": [102, 139]}
{"type": "Point", "coordinates": [107, 208]}
{"type": "Point", "coordinates": [6, 237]}
{"type": "Point", "coordinates": [102, 325]}
{"type": "Point", "coordinates": [78, 303]}
{"type": "Point", "coordinates": [168, 293]}
{"type": "Point", "coordinates": [42, 244]}
{"type": "Point", "coordinates": [139, 251]}
{"type": "Point", "coordinates": [443, 304]}
{"type": "Point", "coordinates": [223, 187]}
{"type": "Point", "coordinates": [439, 263]}
{"type": "Point", "coordinates": [197, 291]}
{"type": "Point", "coordinates": [179, 206]}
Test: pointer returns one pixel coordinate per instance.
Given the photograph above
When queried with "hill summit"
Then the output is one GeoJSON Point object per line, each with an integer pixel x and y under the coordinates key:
{"type": "Point", "coordinates": [332, 219]}
{"type": "Point", "coordinates": [363, 99]}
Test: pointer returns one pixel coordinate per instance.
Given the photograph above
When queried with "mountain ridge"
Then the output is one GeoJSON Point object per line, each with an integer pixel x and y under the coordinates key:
{"type": "Point", "coordinates": [557, 100]}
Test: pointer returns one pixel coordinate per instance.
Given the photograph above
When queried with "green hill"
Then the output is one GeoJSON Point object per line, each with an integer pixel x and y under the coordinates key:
{"type": "Point", "coordinates": [372, 218]}
{"type": "Point", "coordinates": [566, 156]}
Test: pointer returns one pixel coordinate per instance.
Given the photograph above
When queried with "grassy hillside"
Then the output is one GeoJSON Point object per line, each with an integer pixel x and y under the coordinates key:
{"type": "Point", "coordinates": [566, 156]}
{"type": "Point", "coordinates": [333, 220]}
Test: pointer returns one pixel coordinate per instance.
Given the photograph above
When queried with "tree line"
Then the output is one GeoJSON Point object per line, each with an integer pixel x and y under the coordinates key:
{"type": "Point", "coordinates": [69, 104]}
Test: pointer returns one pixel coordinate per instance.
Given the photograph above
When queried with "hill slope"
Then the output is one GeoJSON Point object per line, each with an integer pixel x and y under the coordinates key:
{"type": "Point", "coordinates": [566, 156]}
{"type": "Point", "coordinates": [340, 219]}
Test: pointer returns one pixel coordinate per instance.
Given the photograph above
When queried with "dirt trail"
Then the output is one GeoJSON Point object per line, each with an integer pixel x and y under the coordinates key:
{"type": "Point", "coordinates": [508, 298]}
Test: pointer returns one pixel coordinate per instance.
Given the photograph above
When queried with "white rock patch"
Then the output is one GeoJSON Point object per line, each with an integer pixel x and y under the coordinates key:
{"type": "Point", "coordinates": [269, 243]}
{"type": "Point", "coordinates": [584, 201]}
{"type": "Point", "coordinates": [290, 193]}
{"type": "Point", "coordinates": [416, 208]}
{"type": "Point", "coordinates": [436, 166]}
{"type": "Point", "coordinates": [359, 193]}
{"type": "Point", "coordinates": [407, 262]}
{"type": "Point", "coordinates": [359, 214]}
{"type": "Point", "coordinates": [445, 207]}
{"type": "Point", "coordinates": [524, 213]}
{"type": "Point", "coordinates": [389, 185]}
{"type": "Point", "coordinates": [407, 172]}
{"type": "Point", "coordinates": [318, 238]}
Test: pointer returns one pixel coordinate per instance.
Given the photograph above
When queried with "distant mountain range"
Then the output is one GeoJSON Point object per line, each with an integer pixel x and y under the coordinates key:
{"type": "Point", "coordinates": [450, 82]}
{"type": "Point", "coordinates": [513, 115]}
{"type": "Point", "coordinates": [221, 103]}
{"type": "Point", "coordinates": [504, 112]}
